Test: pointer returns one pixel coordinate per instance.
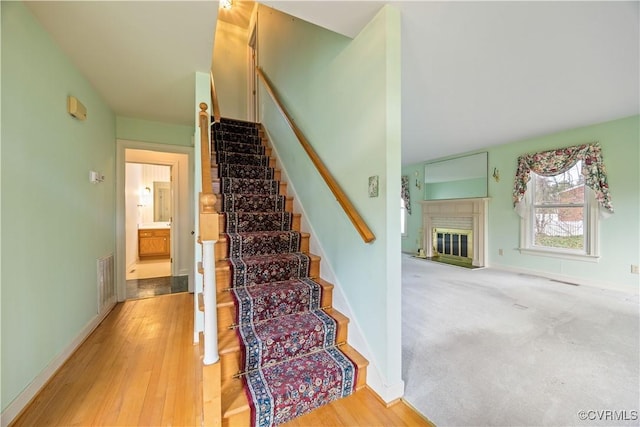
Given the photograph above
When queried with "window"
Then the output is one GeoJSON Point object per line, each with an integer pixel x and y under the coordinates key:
{"type": "Point", "coordinates": [561, 219]}
{"type": "Point", "coordinates": [560, 195]}
{"type": "Point", "coordinates": [403, 218]}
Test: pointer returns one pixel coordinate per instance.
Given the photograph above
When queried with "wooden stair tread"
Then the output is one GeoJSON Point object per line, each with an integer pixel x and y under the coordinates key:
{"type": "Point", "coordinates": [234, 397]}
{"type": "Point", "coordinates": [234, 402]}
{"type": "Point", "coordinates": [339, 317]}
{"type": "Point", "coordinates": [222, 222]}
{"type": "Point", "coordinates": [224, 299]}
{"type": "Point", "coordinates": [223, 264]}
{"type": "Point", "coordinates": [228, 341]}
{"type": "Point", "coordinates": [222, 245]}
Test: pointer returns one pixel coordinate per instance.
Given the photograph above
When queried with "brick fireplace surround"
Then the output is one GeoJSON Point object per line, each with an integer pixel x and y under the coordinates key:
{"type": "Point", "coordinates": [459, 214]}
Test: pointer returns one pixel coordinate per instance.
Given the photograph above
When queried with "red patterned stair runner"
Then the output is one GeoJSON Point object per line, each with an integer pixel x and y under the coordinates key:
{"type": "Point", "coordinates": [290, 359]}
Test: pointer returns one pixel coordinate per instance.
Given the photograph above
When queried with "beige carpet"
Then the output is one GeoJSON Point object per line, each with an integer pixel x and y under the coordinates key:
{"type": "Point", "coordinates": [490, 348]}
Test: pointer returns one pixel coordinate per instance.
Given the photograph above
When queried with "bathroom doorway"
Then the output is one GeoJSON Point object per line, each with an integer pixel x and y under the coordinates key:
{"type": "Point", "coordinates": [154, 220]}
{"type": "Point", "coordinates": [148, 210]}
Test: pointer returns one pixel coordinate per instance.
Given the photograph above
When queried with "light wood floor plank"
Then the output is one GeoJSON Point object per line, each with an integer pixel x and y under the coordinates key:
{"type": "Point", "coordinates": [111, 377]}
{"type": "Point", "coordinates": [140, 367]}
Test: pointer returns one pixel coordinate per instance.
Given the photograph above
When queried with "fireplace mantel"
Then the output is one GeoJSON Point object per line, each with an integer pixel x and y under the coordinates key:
{"type": "Point", "coordinates": [472, 210]}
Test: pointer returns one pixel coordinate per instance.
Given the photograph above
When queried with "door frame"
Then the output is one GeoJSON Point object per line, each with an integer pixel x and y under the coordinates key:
{"type": "Point", "coordinates": [252, 63]}
{"type": "Point", "coordinates": [146, 158]}
{"type": "Point", "coordinates": [180, 187]}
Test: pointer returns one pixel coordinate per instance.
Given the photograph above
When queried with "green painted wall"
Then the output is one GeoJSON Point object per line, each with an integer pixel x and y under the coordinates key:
{"type": "Point", "coordinates": [618, 234]}
{"type": "Point", "coordinates": [229, 67]}
{"type": "Point", "coordinates": [345, 96]}
{"type": "Point", "coordinates": [464, 188]}
{"type": "Point", "coordinates": [55, 223]}
{"type": "Point", "coordinates": [150, 131]}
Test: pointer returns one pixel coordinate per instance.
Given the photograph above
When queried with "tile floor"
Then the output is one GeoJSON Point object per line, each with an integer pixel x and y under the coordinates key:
{"type": "Point", "coordinates": [151, 278]}
{"type": "Point", "coordinates": [147, 288]}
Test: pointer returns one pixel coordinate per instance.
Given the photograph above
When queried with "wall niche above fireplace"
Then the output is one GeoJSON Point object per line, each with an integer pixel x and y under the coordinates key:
{"type": "Point", "coordinates": [457, 178]}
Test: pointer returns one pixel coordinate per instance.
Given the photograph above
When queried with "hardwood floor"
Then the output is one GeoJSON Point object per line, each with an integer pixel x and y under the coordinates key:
{"type": "Point", "coordinates": [140, 368]}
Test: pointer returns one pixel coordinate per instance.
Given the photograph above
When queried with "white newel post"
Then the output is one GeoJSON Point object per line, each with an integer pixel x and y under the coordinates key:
{"type": "Point", "coordinates": [210, 312]}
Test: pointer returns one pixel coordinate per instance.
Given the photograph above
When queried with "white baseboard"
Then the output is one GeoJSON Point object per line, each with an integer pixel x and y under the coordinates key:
{"type": "Point", "coordinates": [375, 380]}
{"type": "Point", "coordinates": [600, 284]}
{"type": "Point", "coordinates": [387, 392]}
{"type": "Point", "coordinates": [23, 399]}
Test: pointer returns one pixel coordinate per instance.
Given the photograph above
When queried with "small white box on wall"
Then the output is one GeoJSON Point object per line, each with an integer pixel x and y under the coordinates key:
{"type": "Point", "coordinates": [76, 109]}
{"type": "Point", "coordinates": [95, 177]}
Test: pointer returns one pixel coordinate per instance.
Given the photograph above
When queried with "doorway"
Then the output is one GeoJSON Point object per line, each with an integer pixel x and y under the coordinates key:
{"type": "Point", "coordinates": [154, 192]}
{"type": "Point", "coordinates": [148, 212]}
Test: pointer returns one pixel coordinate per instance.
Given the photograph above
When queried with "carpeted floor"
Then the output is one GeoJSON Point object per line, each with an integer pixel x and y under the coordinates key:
{"type": "Point", "coordinates": [491, 348]}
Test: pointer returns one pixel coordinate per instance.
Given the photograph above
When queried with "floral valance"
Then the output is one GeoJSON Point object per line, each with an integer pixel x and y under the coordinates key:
{"type": "Point", "coordinates": [405, 193]}
{"type": "Point", "coordinates": [553, 162]}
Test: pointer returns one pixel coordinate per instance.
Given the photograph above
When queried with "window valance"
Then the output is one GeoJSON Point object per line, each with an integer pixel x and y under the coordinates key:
{"type": "Point", "coordinates": [406, 196]}
{"type": "Point", "coordinates": [553, 162]}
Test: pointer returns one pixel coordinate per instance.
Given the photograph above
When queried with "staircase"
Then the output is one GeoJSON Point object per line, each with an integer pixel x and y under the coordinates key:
{"type": "Point", "coordinates": [276, 323]}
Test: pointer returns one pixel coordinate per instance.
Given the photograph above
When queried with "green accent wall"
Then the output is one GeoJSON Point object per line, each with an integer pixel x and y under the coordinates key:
{"type": "Point", "coordinates": [345, 96]}
{"type": "Point", "coordinates": [55, 223]}
{"type": "Point", "coordinates": [619, 233]}
{"type": "Point", "coordinates": [150, 131]}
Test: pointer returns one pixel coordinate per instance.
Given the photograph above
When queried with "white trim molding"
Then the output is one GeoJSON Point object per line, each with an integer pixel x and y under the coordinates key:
{"type": "Point", "coordinates": [473, 208]}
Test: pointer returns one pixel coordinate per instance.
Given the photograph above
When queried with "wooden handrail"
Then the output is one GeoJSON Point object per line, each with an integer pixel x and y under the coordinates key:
{"type": "Point", "coordinates": [362, 228]}
{"type": "Point", "coordinates": [205, 156]}
{"type": "Point", "coordinates": [214, 100]}
{"type": "Point", "coordinates": [208, 225]}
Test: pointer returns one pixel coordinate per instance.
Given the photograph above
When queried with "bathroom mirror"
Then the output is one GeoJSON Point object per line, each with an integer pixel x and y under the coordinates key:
{"type": "Point", "coordinates": [457, 178]}
{"type": "Point", "coordinates": [161, 201]}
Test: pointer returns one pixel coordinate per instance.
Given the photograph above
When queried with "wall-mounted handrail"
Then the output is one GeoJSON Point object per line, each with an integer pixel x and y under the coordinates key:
{"type": "Point", "coordinates": [214, 100]}
{"type": "Point", "coordinates": [362, 228]}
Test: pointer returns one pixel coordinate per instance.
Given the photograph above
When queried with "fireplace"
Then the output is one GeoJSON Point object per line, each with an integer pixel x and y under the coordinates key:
{"type": "Point", "coordinates": [452, 242]}
{"type": "Point", "coordinates": [456, 228]}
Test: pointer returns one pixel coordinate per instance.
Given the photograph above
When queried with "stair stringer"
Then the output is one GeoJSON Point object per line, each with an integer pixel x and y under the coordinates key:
{"type": "Point", "coordinates": [375, 379]}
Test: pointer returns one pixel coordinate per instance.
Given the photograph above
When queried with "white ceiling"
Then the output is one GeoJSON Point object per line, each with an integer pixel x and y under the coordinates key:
{"type": "Point", "coordinates": [474, 74]}
{"type": "Point", "coordinates": [141, 56]}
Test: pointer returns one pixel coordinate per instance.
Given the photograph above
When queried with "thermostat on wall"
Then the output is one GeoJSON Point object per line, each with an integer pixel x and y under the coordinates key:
{"type": "Point", "coordinates": [76, 109]}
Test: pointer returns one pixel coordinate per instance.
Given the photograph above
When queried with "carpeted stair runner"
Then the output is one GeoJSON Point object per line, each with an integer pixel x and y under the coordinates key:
{"type": "Point", "coordinates": [290, 360]}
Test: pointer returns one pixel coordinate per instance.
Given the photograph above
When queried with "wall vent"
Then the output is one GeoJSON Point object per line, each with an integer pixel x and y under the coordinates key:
{"type": "Point", "coordinates": [106, 284]}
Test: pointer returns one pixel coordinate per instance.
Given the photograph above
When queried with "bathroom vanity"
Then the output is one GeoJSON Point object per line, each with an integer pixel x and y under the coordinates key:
{"type": "Point", "coordinates": [154, 241]}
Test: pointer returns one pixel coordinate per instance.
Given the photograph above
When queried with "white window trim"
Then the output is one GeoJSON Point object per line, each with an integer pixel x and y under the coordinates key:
{"type": "Point", "coordinates": [591, 226]}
